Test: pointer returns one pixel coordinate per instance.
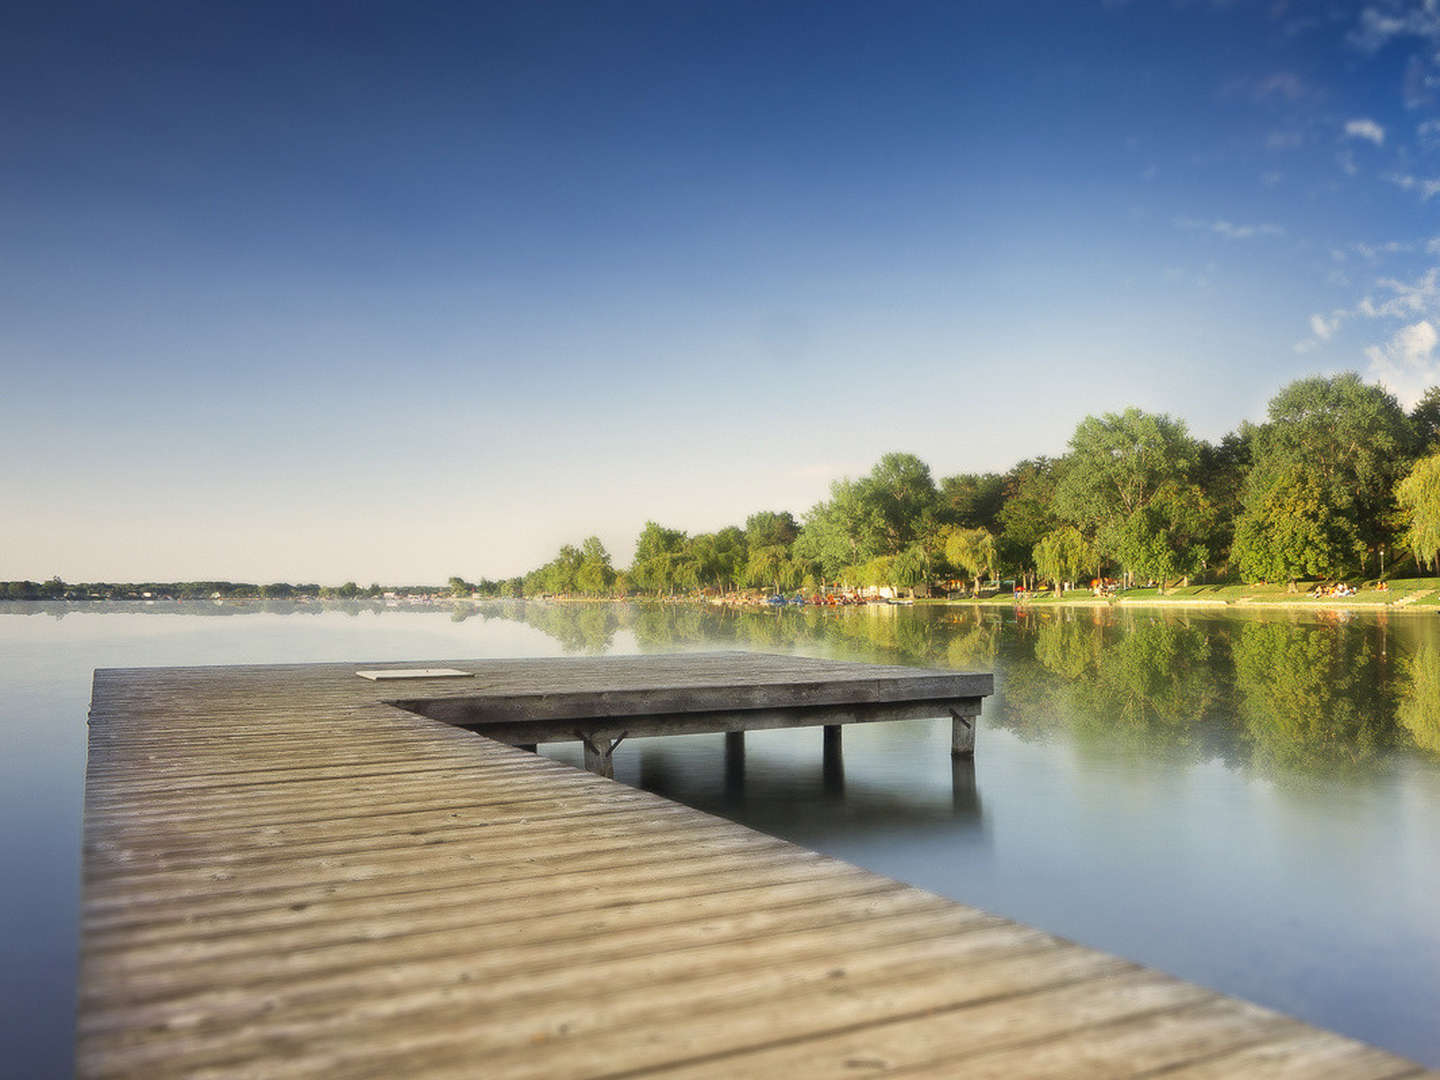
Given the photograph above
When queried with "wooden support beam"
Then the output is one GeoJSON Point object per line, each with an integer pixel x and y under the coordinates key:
{"type": "Point", "coordinates": [962, 735]}
{"type": "Point", "coordinates": [965, 794]}
{"type": "Point", "coordinates": [600, 753]}
{"type": "Point", "coordinates": [543, 731]}
{"type": "Point", "coordinates": [734, 762]}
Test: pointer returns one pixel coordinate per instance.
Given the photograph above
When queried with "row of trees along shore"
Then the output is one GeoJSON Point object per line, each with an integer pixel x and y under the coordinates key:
{"type": "Point", "coordinates": [1336, 480]}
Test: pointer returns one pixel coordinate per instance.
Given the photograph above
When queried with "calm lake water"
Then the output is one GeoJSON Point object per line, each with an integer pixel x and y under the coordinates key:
{"type": "Point", "coordinates": [1249, 801]}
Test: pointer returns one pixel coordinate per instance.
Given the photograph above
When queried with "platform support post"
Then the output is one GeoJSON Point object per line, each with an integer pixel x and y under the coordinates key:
{"type": "Point", "coordinates": [962, 735]}
{"type": "Point", "coordinates": [599, 753]}
{"type": "Point", "coordinates": [833, 761]}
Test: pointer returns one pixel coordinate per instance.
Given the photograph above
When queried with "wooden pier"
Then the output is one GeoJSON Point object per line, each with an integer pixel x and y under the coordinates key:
{"type": "Point", "coordinates": [289, 875]}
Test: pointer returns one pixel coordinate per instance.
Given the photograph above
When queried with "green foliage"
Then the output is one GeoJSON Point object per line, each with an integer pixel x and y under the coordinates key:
{"type": "Point", "coordinates": [1418, 496]}
{"type": "Point", "coordinates": [974, 551]}
{"type": "Point", "coordinates": [1301, 688]}
{"type": "Point", "coordinates": [770, 528]}
{"type": "Point", "coordinates": [772, 568]}
{"type": "Point", "coordinates": [1295, 526]}
{"type": "Point", "coordinates": [1332, 441]}
{"type": "Point", "coordinates": [1165, 540]}
{"type": "Point", "coordinates": [1419, 707]}
{"type": "Point", "coordinates": [1027, 514]}
{"type": "Point", "coordinates": [1156, 678]}
{"type": "Point", "coordinates": [594, 576]}
{"type": "Point", "coordinates": [1425, 420]}
{"type": "Point", "coordinates": [658, 553]}
{"type": "Point", "coordinates": [1064, 554]}
{"type": "Point", "coordinates": [1221, 474]}
{"type": "Point", "coordinates": [841, 532]}
{"type": "Point", "coordinates": [972, 500]}
{"type": "Point", "coordinates": [901, 498]}
{"type": "Point", "coordinates": [910, 567]}
{"type": "Point", "coordinates": [1129, 484]}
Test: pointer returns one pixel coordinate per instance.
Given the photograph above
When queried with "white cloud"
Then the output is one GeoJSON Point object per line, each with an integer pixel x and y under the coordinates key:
{"type": "Point", "coordinates": [1377, 28]}
{"type": "Point", "coordinates": [1372, 252]}
{"type": "Point", "coordinates": [1422, 297]}
{"type": "Point", "coordinates": [1407, 364]}
{"type": "Point", "coordinates": [1365, 128]}
{"type": "Point", "coordinates": [1428, 189]}
{"type": "Point", "coordinates": [1323, 328]}
{"type": "Point", "coordinates": [1229, 229]}
{"type": "Point", "coordinates": [1283, 140]}
{"type": "Point", "coordinates": [1346, 160]}
{"type": "Point", "coordinates": [1271, 178]}
{"type": "Point", "coordinates": [1428, 131]}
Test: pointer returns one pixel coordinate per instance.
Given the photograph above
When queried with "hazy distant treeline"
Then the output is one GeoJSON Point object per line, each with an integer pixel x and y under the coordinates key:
{"type": "Point", "coordinates": [56, 589]}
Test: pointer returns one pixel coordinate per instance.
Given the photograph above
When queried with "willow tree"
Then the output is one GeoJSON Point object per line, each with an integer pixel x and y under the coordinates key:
{"type": "Point", "coordinates": [1418, 495]}
{"type": "Point", "coordinates": [974, 551]}
{"type": "Point", "coordinates": [1064, 554]}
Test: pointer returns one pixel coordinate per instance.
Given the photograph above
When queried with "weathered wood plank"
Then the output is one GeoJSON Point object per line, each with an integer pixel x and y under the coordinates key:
{"type": "Point", "coordinates": [287, 876]}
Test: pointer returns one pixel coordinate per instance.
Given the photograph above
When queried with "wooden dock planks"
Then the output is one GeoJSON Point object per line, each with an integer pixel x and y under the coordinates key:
{"type": "Point", "coordinates": [285, 876]}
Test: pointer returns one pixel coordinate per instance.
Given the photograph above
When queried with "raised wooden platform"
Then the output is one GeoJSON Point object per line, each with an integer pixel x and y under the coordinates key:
{"type": "Point", "coordinates": [286, 876]}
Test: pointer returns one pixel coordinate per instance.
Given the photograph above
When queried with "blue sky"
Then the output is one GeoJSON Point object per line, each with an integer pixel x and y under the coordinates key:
{"type": "Point", "coordinates": [395, 291]}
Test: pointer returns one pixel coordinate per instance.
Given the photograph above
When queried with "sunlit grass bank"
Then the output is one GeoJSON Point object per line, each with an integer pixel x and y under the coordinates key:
{"type": "Point", "coordinates": [1400, 593]}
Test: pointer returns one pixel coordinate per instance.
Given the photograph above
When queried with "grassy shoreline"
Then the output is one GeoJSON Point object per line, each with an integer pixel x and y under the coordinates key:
{"type": "Point", "coordinates": [1404, 594]}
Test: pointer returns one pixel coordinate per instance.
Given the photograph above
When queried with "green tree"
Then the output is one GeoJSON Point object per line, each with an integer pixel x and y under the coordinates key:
{"type": "Point", "coordinates": [974, 551]}
{"type": "Point", "coordinates": [1425, 419]}
{"type": "Point", "coordinates": [911, 567]}
{"type": "Point", "coordinates": [1333, 447]}
{"type": "Point", "coordinates": [972, 500]}
{"type": "Point", "coordinates": [1129, 483]}
{"type": "Point", "coordinates": [1165, 540]}
{"type": "Point", "coordinates": [1063, 555]}
{"type": "Point", "coordinates": [770, 567]}
{"type": "Point", "coordinates": [460, 587]}
{"type": "Point", "coordinates": [770, 528]}
{"type": "Point", "coordinates": [1295, 526]}
{"type": "Point", "coordinates": [594, 576]}
{"type": "Point", "coordinates": [1418, 496]}
{"type": "Point", "coordinates": [899, 494]}
{"type": "Point", "coordinates": [841, 532]}
{"type": "Point", "coordinates": [656, 552]}
{"type": "Point", "coordinates": [1221, 474]}
{"type": "Point", "coordinates": [1027, 514]}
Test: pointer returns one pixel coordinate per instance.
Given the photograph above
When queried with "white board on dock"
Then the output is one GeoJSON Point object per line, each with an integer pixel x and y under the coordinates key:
{"type": "Point", "coordinates": [415, 673]}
